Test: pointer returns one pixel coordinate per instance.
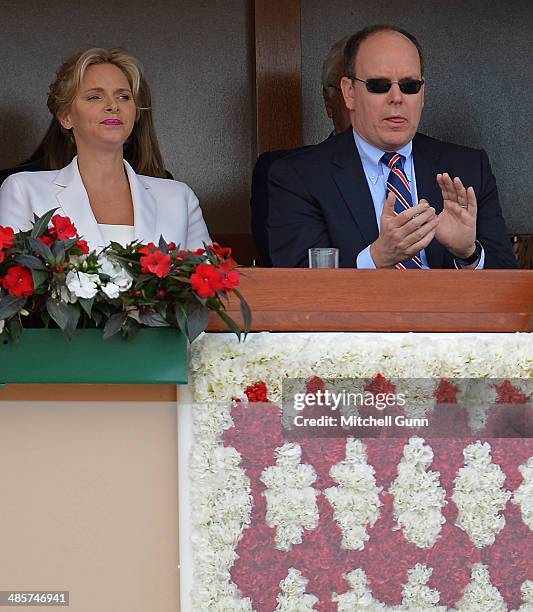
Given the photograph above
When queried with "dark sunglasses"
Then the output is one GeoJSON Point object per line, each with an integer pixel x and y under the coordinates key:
{"type": "Point", "coordinates": [381, 86]}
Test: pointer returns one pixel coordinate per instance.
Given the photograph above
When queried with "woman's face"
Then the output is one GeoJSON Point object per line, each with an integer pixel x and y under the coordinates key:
{"type": "Point", "coordinates": [103, 112]}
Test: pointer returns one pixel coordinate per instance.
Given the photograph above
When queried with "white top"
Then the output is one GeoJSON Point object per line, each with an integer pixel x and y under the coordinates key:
{"type": "Point", "coordinates": [123, 234]}
{"type": "Point", "coordinates": [161, 206]}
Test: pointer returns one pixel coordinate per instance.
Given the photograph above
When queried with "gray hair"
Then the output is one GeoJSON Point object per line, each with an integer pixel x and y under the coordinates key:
{"type": "Point", "coordinates": [334, 59]}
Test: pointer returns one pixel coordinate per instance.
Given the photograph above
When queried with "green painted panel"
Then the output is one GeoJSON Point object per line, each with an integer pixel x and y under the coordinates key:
{"type": "Point", "coordinates": [155, 355]}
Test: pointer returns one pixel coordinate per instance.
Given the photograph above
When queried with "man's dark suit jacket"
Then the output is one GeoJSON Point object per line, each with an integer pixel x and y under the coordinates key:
{"type": "Point", "coordinates": [319, 197]}
{"type": "Point", "coordinates": [259, 201]}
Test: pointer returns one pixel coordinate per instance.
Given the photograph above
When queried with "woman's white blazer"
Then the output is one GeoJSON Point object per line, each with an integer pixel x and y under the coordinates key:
{"type": "Point", "coordinates": [161, 206]}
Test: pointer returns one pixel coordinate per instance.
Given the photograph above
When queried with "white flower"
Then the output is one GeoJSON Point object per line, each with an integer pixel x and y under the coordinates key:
{"type": "Point", "coordinates": [82, 285]}
{"type": "Point", "coordinates": [419, 394]}
{"type": "Point", "coordinates": [527, 596]}
{"type": "Point", "coordinates": [111, 290]}
{"type": "Point", "coordinates": [523, 496]}
{"type": "Point", "coordinates": [418, 497]}
{"type": "Point", "coordinates": [221, 504]}
{"type": "Point", "coordinates": [479, 495]}
{"type": "Point", "coordinates": [2, 325]}
{"type": "Point", "coordinates": [480, 595]}
{"type": "Point", "coordinates": [293, 597]}
{"type": "Point", "coordinates": [356, 500]}
{"type": "Point", "coordinates": [416, 594]}
{"type": "Point", "coordinates": [291, 500]}
{"type": "Point", "coordinates": [359, 597]}
{"type": "Point", "coordinates": [64, 294]}
{"type": "Point", "coordinates": [118, 275]}
{"type": "Point", "coordinates": [78, 260]}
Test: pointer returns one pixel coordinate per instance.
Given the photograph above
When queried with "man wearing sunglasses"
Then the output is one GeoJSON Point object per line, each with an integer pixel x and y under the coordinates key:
{"type": "Point", "coordinates": [382, 193]}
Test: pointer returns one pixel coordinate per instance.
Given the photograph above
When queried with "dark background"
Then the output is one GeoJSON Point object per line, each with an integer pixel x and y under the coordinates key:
{"type": "Point", "coordinates": [199, 60]}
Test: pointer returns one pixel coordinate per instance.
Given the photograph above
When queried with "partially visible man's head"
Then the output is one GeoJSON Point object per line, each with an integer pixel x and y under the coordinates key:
{"type": "Point", "coordinates": [332, 72]}
{"type": "Point", "coordinates": [389, 119]}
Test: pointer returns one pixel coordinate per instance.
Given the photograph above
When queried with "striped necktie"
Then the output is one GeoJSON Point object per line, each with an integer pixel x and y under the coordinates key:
{"type": "Point", "coordinates": [397, 183]}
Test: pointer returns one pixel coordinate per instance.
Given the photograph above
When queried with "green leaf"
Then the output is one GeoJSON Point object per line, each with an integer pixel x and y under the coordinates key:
{"type": "Point", "coordinates": [197, 319]}
{"type": "Point", "coordinates": [65, 315]}
{"type": "Point", "coordinates": [131, 328]}
{"type": "Point", "coordinates": [87, 305]}
{"type": "Point", "coordinates": [39, 277]}
{"type": "Point", "coordinates": [10, 305]}
{"type": "Point", "coordinates": [30, 261]}
{"type": "Point", "coordinates": [182, 279]}
{"type": "Point", "coordinates": [114, 324]}
{"type": "Point", "coordinates": [163, 246]}
{"type": "Point", "coordinates": [14, 327]}
{"type": "Point", "coordinates": [73, 318]}
{"type": "Point", "coordinates": [58, 250]}
{"type": "Point", "coordinates": [246, 312]}
{"type": "Point", "coordinates": [230, 323]}
{"type": "Point", "coordinates": [41, 223]}
{"type": "Point", "coordinates": [45, 318]}
{"type": "Point", "coordinates": [69, 243]}
{"type": "Point", "coordinates": [153, 319]}
{"type": "Point", "coordinates": [97, 318]}
{"type": "Point", "coordinates": [181, 318]}
{"type": "Point", "coordinates": [42, 249]}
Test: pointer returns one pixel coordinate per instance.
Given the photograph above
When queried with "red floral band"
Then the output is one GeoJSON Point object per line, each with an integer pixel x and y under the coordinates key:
{"type": "Point", "coordinates": [387, 555]}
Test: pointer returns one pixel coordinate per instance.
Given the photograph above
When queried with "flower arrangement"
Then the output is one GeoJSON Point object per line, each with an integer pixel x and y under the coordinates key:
{"type": "Point", "coordinates": [223, 369]}
{"type": "Point", "coordinates": [48, 274]}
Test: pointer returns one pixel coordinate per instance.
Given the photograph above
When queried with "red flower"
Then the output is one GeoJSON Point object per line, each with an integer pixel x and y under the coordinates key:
{"type": "Point", "coordinates": [230, 278]}
{"type": "Point", "coordinates": [154, 261]}
{"type": "Point", "coordinates": [18, 281]}
{"type": "Point", "coordinates": [63, 228]}
{"type": "Point", "coordinates": [379, 384]}
{"type": "Point", "coordinates": [207, 280]}
{"type": "Point", "coordinates": [7, 240]}
{"type": "Point", "coordinates": [46, 240]}
{"type": "Point", "coordinates": [182, 255]}
{"type": "Point", "coordinates": [7, 237]}
{"type": "Point", "coordinates": [198, 252]}
{"type": "Point", "coordinates": [446, 392]}
{"type": "Point", "coordinates": [314, 384]}
{"type": "Point", "coordinates": [507, 394]}
{"type": "Point", "coordinates": [221, 252]}
{"type": "Point", "coordinates": [83, 246]}
{"type": "Point", "coordinates": [257, 392]}
{"type": "Point", "coordinates": [171, 246]}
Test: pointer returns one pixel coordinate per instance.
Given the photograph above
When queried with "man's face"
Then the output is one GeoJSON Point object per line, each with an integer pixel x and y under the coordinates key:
{"type": "Point", "coordinates": [388, 120]}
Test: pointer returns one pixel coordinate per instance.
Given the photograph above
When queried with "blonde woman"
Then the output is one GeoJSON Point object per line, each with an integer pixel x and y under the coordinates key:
{"type": "Point", "coordinates": [94, 102]}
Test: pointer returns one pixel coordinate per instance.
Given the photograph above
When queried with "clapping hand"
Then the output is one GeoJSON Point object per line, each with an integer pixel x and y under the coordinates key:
{"type": "Point", "coordinates": [456, 229]}
{"type": "Point", "coordinates": [403, 235]}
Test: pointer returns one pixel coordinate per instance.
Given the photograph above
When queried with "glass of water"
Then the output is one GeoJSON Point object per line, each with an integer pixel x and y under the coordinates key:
{"type": "Point", "coordinates": [324, 258]}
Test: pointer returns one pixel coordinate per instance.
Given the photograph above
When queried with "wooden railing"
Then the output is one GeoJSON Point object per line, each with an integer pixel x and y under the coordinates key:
{"type": "Point", "coordinates": [386, 300]}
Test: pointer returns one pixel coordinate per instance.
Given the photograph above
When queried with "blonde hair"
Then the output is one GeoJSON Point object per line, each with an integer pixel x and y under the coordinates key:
{"type": "Point", "coordinates": [141, 149]}
{"type": "Point", "coordinates": [70, 75]}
